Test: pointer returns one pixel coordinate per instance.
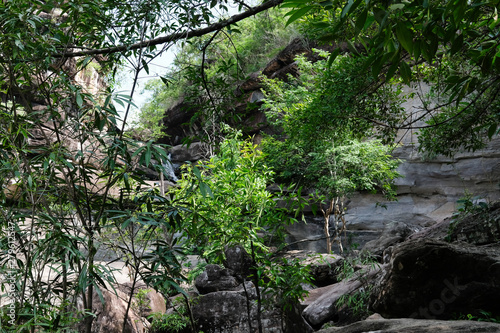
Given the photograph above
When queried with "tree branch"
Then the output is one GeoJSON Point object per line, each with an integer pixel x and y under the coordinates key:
{"type": "Point", "coordinates": [175, 36]}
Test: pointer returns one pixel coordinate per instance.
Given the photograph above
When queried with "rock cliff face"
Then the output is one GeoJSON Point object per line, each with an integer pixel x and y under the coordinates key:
{"type": "Point", "coordinates": [427, 191]}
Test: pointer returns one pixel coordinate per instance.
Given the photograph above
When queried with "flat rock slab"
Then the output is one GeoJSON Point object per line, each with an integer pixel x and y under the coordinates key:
{"type": "Point", "coordinates": [415, 326]}
{"type": "Point", "coordinates": [322, 305]}
{"type": "Point", "coordinates": [314, 294]}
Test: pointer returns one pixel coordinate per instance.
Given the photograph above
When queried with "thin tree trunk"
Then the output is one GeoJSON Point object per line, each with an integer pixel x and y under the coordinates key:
{"type": "Point", "coordinates": [256, 283]}
{"type": "Point", "coordinates": [326, 215]}
{"type": "Point", "coordinates": [90, 291]}
{"type": "Point", "coordinates": [249, 308]}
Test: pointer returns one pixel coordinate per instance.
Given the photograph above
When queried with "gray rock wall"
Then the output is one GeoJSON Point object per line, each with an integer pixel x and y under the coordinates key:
{"type": "Point", "coordinates": [427, 191]}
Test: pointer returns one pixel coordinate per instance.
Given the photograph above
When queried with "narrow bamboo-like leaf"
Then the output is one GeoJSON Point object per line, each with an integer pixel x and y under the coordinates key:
{"type": "Point", "coordinates": [79, 99]}
{"type": "Point", "coordinates": [165, 80]}
{"type": "Point", "coordinates": [377, 65]}
{"type": "Point", "coordinates": [360, 22]}
{"type": "Point", "coordinates": [145, 66]}
{"type": "Point", "coordinates": [197, 173]}
{"type": "Point", "coordinates": [298, 14]}
{"type": "Point", "coordinates": [147, 156]}
{"type": "Point", "coordinates": [392, 69]}
{"type": "Point", "coordinates": [347, 8]}
{"type": "Point", "coordinates": [333, 56]}
{"type": "Point", "coordinates": [416, 50]}
{"type": "Point", "coordinates": [352, 48]}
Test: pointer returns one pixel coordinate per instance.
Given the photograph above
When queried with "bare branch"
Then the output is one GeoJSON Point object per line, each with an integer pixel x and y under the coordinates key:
{"type": "Point", "coordinates": [175, 36]}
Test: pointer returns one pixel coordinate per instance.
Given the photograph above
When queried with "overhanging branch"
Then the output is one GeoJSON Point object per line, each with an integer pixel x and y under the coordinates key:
{"type": "Point", "coordinates": [175, 36]}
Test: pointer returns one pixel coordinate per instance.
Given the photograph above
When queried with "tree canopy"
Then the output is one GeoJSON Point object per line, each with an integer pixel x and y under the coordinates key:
{"type": "Point", "coordinates": [322, 143]}
{"type": "Point", "coordinates": [452, 44]}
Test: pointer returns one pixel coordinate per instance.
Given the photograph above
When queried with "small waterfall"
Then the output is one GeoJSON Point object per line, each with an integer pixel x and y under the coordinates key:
{"type": "Point", "coordinates": [170, 169]}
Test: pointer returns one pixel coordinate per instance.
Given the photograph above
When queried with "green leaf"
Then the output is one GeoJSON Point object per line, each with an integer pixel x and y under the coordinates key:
{"type": "Point", "coordinates": [351, 5]}
{"type": "Point", "coordinates": [296, 14]}
{"type": "Point", "coordinates": [405, 37]}
{"type": "Point", "coordinates": [165, 80]}
{"type": "Point", "coordinates": [397, 6]}
{"type": "Point", "coordinates": [405, 72]}
{"type": "Point", "coordinates": [233, 30]}
{"type": "Point", "coordinates": [392, 69]}
{"type": "Point", "coordinates": [333, 56]}
{"type": "Point", "coordinates": [360, 22]}
{"type": "Point", "coordinates": [145, 66]}
{"type": "Point", "coordinates": [147, 156]}
{"type": "Point", "coordinates": [197, 173]}
{"type": "Point", "coordinates": [416, 50]}
{"type": "Point", "coordinates": [79, 99]}
{"type": "Point", "coordinates": [377, 63]}
{"type": "Point", "coordinates": [492, 130]}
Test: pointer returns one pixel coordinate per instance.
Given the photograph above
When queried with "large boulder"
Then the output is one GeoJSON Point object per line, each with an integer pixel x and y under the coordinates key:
{"type": "Point", "coordinates": [433, 279]}
{"type": "Point", "coordinates": [238, 261]}
{"type": "Point", "coordinates": [415, 326]}
{"type": "Point", "coordinates": [228, 312]}
{"type": "Point", "coordinates": [479, 228]}
{"type": "Point", "coordinates": [146, 299]}
{"type": "Point", "coordinates": [394, 233]}
{"type": "Point", "coordinates": [215, 278]}
{"type": "Point", "coordinates": [188, 153]}
{"type": "Point", "coordinates": [178, 122]}
{"type": "Point", "coordinates": [228, 303]}
{"type": "Point", "coordinates": [110, 314]}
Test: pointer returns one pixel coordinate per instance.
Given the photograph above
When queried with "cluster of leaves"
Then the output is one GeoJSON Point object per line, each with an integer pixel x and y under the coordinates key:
{"type": "Point", "coordinates": [321, 134]}
{"type": "Point", "coordinates": [175, 322]}
{"type": "Point", "coordinates": [466, 206]}
{"type": "Point", "coordinates": [229, 202]}
{"type": "Point", "coordinates": [284, 282]}
{"type": "Point", "coordinates": [394, 37]}
{"type": "Point", "coordinates": [356, 304]}
{"type": "Point", "coordinates": [67, 175]}
{"type": "Point", "coordinates": [321, 137]}
{"type": "Point", "coordinates": [482, 316]}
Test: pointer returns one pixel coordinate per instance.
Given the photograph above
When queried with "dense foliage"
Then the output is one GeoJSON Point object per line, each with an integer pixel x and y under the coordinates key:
{"type": "Point", "coordinates": [324, 142]}
{"type": "Point", "coordinates": [229, 204]}
{"type": "Point", "coordinates": [456, 40]}
{"type": "Point", "coordinates": [73, 184]}
{"type": "Point", "coordinates": [206, 72]}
